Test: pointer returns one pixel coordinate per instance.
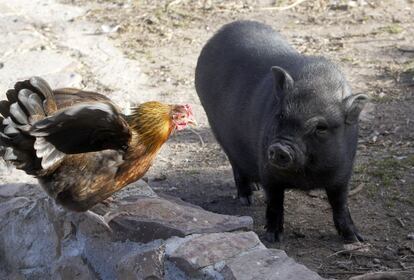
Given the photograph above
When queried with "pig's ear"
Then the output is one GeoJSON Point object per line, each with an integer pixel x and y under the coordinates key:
{"type": "Point", "coordinates": [283, 82]}
{"type": "Point", "coordinates": [353, 106]}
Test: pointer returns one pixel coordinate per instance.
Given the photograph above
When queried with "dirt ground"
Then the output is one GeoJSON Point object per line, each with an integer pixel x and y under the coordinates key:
{"type": "Point", "coordinates": [371, 40]}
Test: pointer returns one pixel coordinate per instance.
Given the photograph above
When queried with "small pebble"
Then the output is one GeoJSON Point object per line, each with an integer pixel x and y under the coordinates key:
{"type": "Point", "coordinates": [410, 236]}
{"type": "Point", "coordinates": [376, 261]}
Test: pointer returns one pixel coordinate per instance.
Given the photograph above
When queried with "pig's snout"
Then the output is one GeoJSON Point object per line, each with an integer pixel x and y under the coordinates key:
{"type": "Point", "coordinates": [281, 155]}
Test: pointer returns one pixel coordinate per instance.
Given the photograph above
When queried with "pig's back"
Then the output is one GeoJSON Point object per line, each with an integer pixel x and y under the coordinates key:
{"type": "Point", "coordinates": [232, 66]}
{"type": "Point", "coordinates": [240, 54]}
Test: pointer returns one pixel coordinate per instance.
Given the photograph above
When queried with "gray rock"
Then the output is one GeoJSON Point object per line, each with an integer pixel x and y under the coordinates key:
{"type": "Point", "coordinates": [13, 204]}
{"type": "Point", "coordinates": [12, 275]}
{"type": "Point", "coordinates": [30, 235]}
{"type": "Point", "coordinates": [138, 188]}
{"type": "Point", "coordinates": [172, 272]}
{"type": "Point", "coordinates": [31, 191]}
{"type": "Point", "coordinates": [147, 218]}
{"type": "Point", "coordinates": [104, 256]}
{"type": "Point", "coordinates": [72, 267]}
{"type": "Point", "coordinates": [43, 241]}
{"type": "Point", "coordinates": [268, 264]}
{"type": "Point", "coordinates": [12, 190]}
{"type": "Point", "coordinates": [144, 264]}
{"type": "Point", "coordinates": [200, 251]}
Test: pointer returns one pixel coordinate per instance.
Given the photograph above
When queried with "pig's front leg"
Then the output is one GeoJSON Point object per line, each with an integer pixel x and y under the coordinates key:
{"type": "Point", "coordinates": [244, 187]}
{"type": "Point", "coordinates": [337, 196]}
{"type": "Point", "coordinates": [274, 214]}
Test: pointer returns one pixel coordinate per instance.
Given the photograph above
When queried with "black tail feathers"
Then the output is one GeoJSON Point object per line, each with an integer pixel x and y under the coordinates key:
{"type": "Point", "coordinates": [29, 101]}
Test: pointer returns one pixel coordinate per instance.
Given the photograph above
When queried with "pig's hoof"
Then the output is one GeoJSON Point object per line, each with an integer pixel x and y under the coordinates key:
{"type": "Point", "coordinates": [273, 237]}
{"type": "Point", "coordinates": [246, 200]}
{"type": "Point", "coordinates": [360, 237]}
{"type": "Point", "coordinates": [353, 237]}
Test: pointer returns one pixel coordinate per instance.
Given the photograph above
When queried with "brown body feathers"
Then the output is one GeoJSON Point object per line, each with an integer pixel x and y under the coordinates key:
{"type": "Point", "coordinates": [78, 144]}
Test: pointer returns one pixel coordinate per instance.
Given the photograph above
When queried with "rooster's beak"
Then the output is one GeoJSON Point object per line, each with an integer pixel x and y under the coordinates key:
{"type": "Point", "coordinates": [192, 122]}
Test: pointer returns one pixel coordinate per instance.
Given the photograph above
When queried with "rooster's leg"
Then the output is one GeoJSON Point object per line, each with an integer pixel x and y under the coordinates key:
{"type": "Point", "coordinates": [105, 219]}
{"type": "Point", "coordinates": [108, 201]}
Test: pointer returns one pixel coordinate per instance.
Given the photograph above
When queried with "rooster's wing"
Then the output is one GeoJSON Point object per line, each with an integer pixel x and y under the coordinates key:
{"type": "Point", "coordinates": [66, 97]}
{"type": "Point", "coordinates": [84, 127]}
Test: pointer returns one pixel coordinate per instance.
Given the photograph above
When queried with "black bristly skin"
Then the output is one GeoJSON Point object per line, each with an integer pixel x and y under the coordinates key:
{"type": "Point", "coordinates": [284, 120]}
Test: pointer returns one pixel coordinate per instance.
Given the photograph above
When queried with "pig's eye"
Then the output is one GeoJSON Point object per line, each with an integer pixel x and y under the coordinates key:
{"type": "Point", "coordinates": [321, 129]}
{"type": "Point", "coordinates": [281, 116]}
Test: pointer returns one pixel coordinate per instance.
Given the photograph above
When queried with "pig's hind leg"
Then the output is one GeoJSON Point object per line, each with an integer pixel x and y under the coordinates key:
{"type": "Point", "coordinates": [245, 186]}
{"type": "Point", "coordinates": [344, 224]}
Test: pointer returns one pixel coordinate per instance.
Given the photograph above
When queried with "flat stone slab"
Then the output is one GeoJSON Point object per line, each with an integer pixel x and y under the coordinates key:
{"type": "Point", "coordinates": [111, 258]}
{"type": "Point", "coordinates": [30, 232]}
{"type": "Point", "coordinates": [13, 204]}
{"type": "Point", "coordinates": [72, 267]}
{"type": "Point", "coordinates": [197, 252]}
{"type": "Point", "coordinates": [268, 264]}
{"type": "Point", "coordinates": [144, 218]}
{"type": "Point", "coordinates": [138, 188]}
{"type": "Point", "coordinates": [13, 190]}
{"type": "Point", "coordinates": [147, 263]}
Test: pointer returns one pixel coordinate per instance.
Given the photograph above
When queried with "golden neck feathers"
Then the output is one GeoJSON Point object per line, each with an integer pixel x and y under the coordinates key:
{"type": "Point", "coordinates": [152, 123]}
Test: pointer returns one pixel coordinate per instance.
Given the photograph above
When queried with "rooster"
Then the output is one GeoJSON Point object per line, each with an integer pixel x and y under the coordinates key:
{"type": "Point", "coordinates": [78, 144]}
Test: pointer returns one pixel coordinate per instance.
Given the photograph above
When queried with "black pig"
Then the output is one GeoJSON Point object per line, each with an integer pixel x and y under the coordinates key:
{"type": "Point", "coordinates": [285, 120]}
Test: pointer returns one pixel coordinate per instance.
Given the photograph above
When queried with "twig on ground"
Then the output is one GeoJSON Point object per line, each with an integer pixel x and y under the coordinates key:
{"type": "Point", "coordinates": [354, 248]}
{"type": "Point", "coordinates": [403, 266]}
{"type": "Point", "coordinates": [164, 159]}
{"type": "Point", "coordinates": [172, 3]}
{"type": "Point", "coordinates": [401, 222]}
{"type": "Point", "coordinates": [283, 8]}
{"type": "Point", "coordinates": [373, 40]}
{"type": "Point", "coordinates": [340, 272]}
{"type": "Point", "coordinates": [385, 275]}
{"type": "Point", "coordinates": [405, 49]}
{"type": "Point", "coordinates": [356, 190]}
